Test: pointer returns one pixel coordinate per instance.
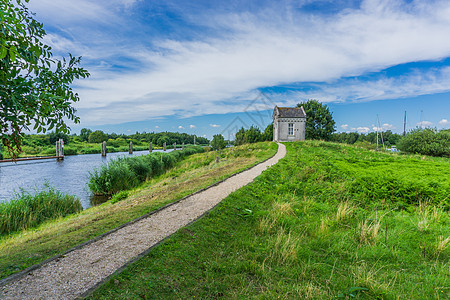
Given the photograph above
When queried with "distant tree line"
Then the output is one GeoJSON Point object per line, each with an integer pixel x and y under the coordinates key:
{"type": "Point", "coordinates": [98, 136]}
{"type": "Point", "coordinates": [389, 137]}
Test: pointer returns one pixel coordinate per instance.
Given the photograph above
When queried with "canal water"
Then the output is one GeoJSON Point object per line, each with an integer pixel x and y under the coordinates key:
{"type": "Point", "coordinates": [69, 176]}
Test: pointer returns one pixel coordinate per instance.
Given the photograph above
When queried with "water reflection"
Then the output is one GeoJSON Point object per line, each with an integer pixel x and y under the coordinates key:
{"type": "Point", "coordinates": [69, 176]}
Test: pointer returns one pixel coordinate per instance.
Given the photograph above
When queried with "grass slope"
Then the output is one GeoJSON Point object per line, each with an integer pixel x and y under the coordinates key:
{"type": "Point", "coordinates": [320, 224]}
{"type": "Point", "coordinates": [21, 250]}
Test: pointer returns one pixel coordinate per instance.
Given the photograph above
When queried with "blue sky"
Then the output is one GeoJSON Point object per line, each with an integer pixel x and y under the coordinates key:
{"type": "Point", "coordinates": [204, 66]}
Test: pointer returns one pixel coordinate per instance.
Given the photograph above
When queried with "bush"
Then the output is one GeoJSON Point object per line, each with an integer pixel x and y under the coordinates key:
{"type": "Point", "coordinates": [26, 210]}
{"type": "Point", "coordinates": [426, 142]}
{"type": "Point", "coordinates": [127, 172]}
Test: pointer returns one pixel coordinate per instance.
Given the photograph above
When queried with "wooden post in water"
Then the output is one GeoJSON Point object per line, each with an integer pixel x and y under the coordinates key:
{"type": "Point", "coordinates": [182, 147]}
{"type": "Point", "coordinates": [130, 148]}
{"type": "Point", "coordinates": [104, 150]}
{"type": "Point", "coordinates": [164, 146]}
{"type": "Point", "coordinates": [150, 147]}
{"type": "Point", "coordinates": [57, 148]}
{"type": "Point", "coordinates": [174, 146]}
{"type": "Point", "coordinates": [60, 149]}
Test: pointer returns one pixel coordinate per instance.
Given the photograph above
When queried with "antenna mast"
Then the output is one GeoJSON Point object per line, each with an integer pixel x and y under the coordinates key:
{"type": "Point", "coordinates": [421, 119]}
{"type": "Point", "coordinates": [404, 125]}
{"type": "Point", "coordinates": [379, 127]}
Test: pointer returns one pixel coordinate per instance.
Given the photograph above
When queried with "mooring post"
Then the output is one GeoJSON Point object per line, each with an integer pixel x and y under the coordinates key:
{"type": "Point", "coordinates": [104, 151]}
{"type": "Point", "coordinates": [164, 146]}
{"type": "Point", "coordinates": [182, 147]}
{"type": "Point", "coordinates": [150, 147]}
{"type": "Point", "coordinates": [60, 149]}
{"type": "Point", "coordinates": [130, 148]}
{"type": "Point", "coordinates": [174, 146]}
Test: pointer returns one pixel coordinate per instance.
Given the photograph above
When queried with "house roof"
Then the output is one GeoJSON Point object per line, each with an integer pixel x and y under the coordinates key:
{"type": "Point", "coordinates": [289, 112]}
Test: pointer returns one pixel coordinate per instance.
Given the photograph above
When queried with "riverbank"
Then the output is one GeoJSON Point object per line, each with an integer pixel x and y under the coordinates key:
{"type": "Point", "coordinates": [19, 251]}
{"type": "Point", "coordinates": [75, 273]}
{"type": "Point", "coordinates": [328, 221]}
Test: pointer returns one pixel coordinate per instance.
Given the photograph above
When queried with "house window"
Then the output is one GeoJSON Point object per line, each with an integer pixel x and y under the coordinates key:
{"type": "Point", "coordinates": [290, 128]}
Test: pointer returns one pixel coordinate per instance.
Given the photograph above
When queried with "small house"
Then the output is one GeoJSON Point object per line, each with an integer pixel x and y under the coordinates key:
{"type": "Point", "coordinates": [289, 124]}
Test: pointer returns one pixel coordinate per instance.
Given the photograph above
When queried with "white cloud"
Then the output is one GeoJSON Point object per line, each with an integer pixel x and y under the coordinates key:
{"type": "Point", "coordinates": [376, 128]}
{"type": "Point", "coordinates": [363, 129]}
{"type": "Point", "coordinates": [345, 126]}
{"type": "Point", "coordinates": [192, 126]}
{"type": "Point", "coordinates": [214, 125]}
{"type": "Point", "coordinates": [387, 126]}
{"type": "Point", "coordinates": [444, 122]}
{"type": "Point", "coordinates": [249, 51]}
{"type": "Point", "coordinates": [156, 126]}
{"type": "Point", "coordinates": [424, 124]}
{"type": "Point", "coordinates": [180, 127]}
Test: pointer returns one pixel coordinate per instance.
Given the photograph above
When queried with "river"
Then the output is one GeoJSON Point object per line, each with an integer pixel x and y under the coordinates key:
{"type": "Point", "coordinates": [70, 176]}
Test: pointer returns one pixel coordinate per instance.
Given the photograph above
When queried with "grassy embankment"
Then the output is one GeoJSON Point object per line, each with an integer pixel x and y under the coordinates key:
{"type": "Point", "coordinates": [328, 221]}
{"type": "Point", "coordinates": [21, 250]}
{"type": "Point", "coordinates": [124, 173]}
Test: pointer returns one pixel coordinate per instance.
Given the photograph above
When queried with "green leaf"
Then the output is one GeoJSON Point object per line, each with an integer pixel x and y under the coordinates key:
{"type": "Point", "coordinates": [3, 52]}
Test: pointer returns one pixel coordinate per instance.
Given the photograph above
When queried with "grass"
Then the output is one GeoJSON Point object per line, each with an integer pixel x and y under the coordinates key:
{"type": "Point", "coordinates": [125, 173]}
{"type": "Point", "coordinates": [307, 229]}
{"type": "Point", "coordinates": [27, 211]}
{"type": "Point", "coordinates": [23, 249]}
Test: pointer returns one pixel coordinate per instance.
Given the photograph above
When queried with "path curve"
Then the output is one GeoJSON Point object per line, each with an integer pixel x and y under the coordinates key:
{"type": "Point", "coordinates": [80, 270]}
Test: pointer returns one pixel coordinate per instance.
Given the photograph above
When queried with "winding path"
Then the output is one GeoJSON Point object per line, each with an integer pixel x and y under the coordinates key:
{"type": "Point", "coordinates": [82, 269]}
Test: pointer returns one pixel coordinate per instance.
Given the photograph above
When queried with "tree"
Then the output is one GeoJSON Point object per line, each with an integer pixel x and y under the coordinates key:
{"type": "Point", "coordinates": [253, 135]}
{"type": "Point", "coordinates": [97, 136]}
{"type": "Point", "coordinates": [218, 142]}
{"type": "Point", "coordinates": [319, 120]}
{"type": "Point", "coordinates": [240, 137]}
{"type": "Point", "coordinates": [426, 141]}
{"type": "Point", "coordinates": [34, 87]}
{"type": "Point", "coordinates": [84, 134]}
{"type": "Point", "coordinates": [268, 133]}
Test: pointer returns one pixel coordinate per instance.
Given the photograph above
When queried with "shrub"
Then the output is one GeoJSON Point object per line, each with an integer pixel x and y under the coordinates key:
{"type": "Point", "coordinates": [26, 210]}
{"type": "Point", "coordinates": [426, 142]}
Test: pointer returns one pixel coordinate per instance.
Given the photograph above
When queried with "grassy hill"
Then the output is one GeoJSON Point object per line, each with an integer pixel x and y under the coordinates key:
{"type": "Point", "coordinates": [328, 221]}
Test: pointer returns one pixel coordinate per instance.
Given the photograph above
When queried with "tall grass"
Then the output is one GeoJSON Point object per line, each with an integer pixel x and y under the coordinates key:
{"type": "Point", "coordinates": [128, 172]}
{"type": "Point", "coordinates": [27, 211]}
{"type": "Point", "coordinates": [305, 230]}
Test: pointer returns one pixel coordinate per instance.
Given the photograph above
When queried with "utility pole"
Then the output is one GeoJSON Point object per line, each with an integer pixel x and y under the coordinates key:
{"type": "Point", "coordinates": [381, 131]}
{"type": "Point", "coordinates": [421, 119]}
{"type": "Point", "coordinates": [377, 132]}
{"type": "Point", "coordinates": [404, 125]}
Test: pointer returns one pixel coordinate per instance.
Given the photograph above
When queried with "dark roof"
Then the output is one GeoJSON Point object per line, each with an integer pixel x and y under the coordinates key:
{"type": "Point", "coordinates": [289, 112]}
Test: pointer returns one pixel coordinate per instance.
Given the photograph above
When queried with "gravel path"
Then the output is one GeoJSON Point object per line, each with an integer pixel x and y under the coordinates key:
{"type": "Point", "coordinates": [74, 274]}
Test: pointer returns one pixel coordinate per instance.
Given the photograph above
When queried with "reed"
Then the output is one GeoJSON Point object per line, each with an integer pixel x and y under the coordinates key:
{"type": "Point", "coordinates": [125, 173]}
{"type": "Point", "coordinates": [27, 210]}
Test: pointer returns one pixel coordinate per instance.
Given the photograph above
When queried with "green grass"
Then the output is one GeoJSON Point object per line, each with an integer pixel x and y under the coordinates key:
{"type": "Point", "coordinates": [125, 173]}
{"type": "Point", "coordinates": [307, 228]}
{"type": "Point", "coordinates": [27, 211]}
{"type": "Point", "coordinates": [28, 247]}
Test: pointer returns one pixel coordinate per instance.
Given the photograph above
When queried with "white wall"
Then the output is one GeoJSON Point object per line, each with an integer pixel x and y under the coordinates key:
{"type": "Point", "coordinates": [281, 129]}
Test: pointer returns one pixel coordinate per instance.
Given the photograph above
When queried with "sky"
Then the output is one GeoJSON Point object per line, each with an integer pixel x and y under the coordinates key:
{"type": "Point", "coordinates": [206, 67]}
